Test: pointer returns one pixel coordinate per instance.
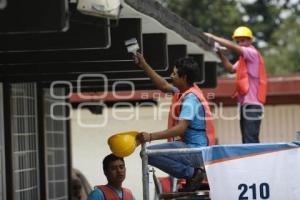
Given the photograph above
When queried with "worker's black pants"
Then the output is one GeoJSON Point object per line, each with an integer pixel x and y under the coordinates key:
{"type": "Point", "coordinates": [250, 121]}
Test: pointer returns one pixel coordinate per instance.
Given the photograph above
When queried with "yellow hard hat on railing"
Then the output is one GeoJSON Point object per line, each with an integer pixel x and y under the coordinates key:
{"type": "Point", "coordinates": [242, 31]}
{"type": "Point", "coordinates": [123, 144]}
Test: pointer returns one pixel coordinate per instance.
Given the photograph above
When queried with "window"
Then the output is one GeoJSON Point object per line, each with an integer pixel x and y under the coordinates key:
{"type": "Point", "coordinates": [23, 106]}
{"type": "Point", "coordinates": [2, 152]}
{"type": "Point", "coordinates": [56, 145]}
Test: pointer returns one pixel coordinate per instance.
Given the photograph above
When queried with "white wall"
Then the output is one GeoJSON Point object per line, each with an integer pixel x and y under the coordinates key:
{"type": "Point", "coordinates": [280, 124]}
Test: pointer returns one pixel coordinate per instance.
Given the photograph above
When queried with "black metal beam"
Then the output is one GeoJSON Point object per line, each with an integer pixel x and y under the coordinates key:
{"type": "Point", "coordinates": [199, 58]}
{"type": "Point", "coordinates": [155, 50]}
{"type": "Point", "coordinates": [35, 65]}
{"type": "Point", "coordinates": [34, 16]}
{"type": "Point", "coordinates": [210, 75]}
{"type": "Point", "coordinates": [85, 32]}
{"type": "Point", "coordinates": [175, 52]}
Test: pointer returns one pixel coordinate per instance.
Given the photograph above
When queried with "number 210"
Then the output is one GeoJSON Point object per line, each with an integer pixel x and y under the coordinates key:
{"type": "Point", "coordinates": [264, 191]}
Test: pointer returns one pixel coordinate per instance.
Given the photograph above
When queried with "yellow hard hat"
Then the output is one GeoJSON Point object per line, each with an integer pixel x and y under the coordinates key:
{"type": "Point", "coordinates": [123, 144]}
{"type": "Point", "coordinates": [242, 31]}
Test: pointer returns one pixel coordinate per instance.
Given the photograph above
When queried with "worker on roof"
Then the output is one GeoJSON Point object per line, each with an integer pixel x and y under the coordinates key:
{"type": "Point", "coordinates": [251, 81]}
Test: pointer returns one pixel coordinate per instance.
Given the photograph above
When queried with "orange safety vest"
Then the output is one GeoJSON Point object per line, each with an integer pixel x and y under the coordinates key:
{"type": "Point", "coordinates": [242, 79]}
{"type": "Point", "coordinates": [175, 111]}
{"type": "Point", "coordinates": [110, 194]}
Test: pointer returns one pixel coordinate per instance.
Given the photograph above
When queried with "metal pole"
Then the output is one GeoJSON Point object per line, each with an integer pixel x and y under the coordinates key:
{"type": "Point", "coordinates": [174, 151]}
{"type": "Point", "coordinates": [145, 173]}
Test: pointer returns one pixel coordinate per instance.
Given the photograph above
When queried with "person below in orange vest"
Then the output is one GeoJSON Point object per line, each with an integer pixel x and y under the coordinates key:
{"type": "Point", "coordinates": [189, 119]}
{"type": "Point", "coordinates": [115, 172]}
{"type": "Point", "coordinates": [251, 80]}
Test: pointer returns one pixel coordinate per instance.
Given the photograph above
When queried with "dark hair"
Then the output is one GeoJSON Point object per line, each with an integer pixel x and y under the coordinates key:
{"type": "Point", "coordinates": [189, 67]}
{"type": "Point", "coordinates": [108, 159]}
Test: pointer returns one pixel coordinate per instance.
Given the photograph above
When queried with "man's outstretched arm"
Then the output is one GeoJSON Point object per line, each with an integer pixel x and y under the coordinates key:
{"type": "Point", "coordinates": [226, 43]}
{"type": "Point", "coordinates": [158, 81]}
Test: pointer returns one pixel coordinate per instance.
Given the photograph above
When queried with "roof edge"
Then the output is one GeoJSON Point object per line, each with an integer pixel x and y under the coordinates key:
{"type": "Point", "coordinates": [172, 21]}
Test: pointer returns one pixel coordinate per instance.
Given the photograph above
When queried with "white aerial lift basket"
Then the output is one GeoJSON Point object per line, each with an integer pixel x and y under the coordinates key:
{"type": "Point", "coordinates": [100, 8]}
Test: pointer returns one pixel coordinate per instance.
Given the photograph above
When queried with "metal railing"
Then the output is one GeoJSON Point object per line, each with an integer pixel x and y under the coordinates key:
{"type": "Point", "coordinates": [145, 170]}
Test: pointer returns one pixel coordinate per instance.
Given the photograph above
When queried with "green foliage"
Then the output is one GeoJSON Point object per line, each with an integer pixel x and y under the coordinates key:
{"type": "Point", "coordinates": [216, 16]}
{"type": "Point", "coordinates": [275, 24]}
{"type": "Point", "coordinates": [263, 17]}
{"type": "Point", "coordinates": [283, 54]}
